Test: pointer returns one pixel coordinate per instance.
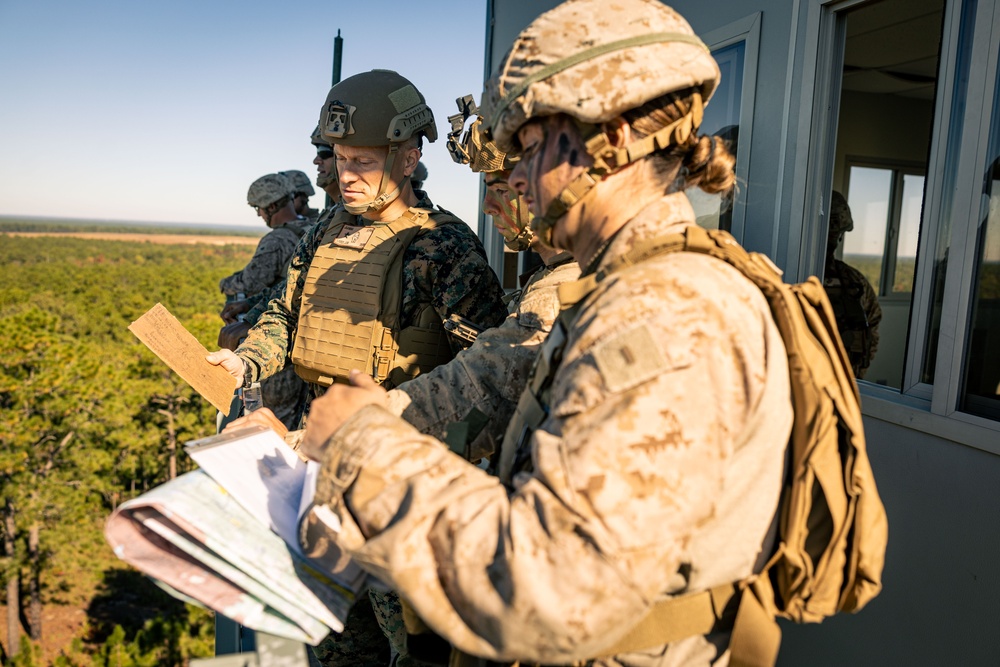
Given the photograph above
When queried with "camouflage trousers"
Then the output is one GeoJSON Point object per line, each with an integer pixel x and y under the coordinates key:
{"type": "Point", "coordinates": [374, 634]}
{"type": "Point", "coordinates": [286, 395]}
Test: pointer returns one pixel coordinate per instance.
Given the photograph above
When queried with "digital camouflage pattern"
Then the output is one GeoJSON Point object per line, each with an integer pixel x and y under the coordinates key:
{"type": "Point", "coordinates": [856, 307]}
{"type": "Point", "coordinates": [587, 84]}
{"type": "Point", "coordinates": [855, 303]}
{"type": "Point", "coordinates": [489, 376]}
{"type": "Point", "coordinates": [445, 266]}
{"type": "Point", "coordinates": [361, 644]}
{"type": "Point", "coordinates": [285, 393]}
{"type": "Point", "coordinates": [300, 182]}
{"type": "Point", "coordinates": [656, 472]}
{"type": "Point", "coordinates": [269, 261]}
{"type": "Point", "coordinates": [258, 302]}
{"type": "Point", "coordinates": [269, 189]}
{"type": "Point", "coordinates": [492, 373]}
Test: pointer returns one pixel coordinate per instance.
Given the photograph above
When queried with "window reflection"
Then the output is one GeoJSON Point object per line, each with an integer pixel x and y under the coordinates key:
{"type": "Point", "coordinates": [852, 296]}
{"type": "Point", "coordinates": [982, 367]}
{"type": "Point", "coordinates": [885, 122]}
{"type": "Point", "coordinates": [722, 118]}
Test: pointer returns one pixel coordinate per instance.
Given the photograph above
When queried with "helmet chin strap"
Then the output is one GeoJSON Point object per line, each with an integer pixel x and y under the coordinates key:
{"type": "Point", "coordinates": [383, 198]}
{"type": "Point", "coordinates": [608, 159]}
{"type": "Point", "coordinates": [525, 236]}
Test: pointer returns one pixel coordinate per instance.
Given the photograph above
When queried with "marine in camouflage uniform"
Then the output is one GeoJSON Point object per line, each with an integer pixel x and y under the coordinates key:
{"type": "Point", "coordinates": [326, 180]}
{"type": "Point", "coordinates": [271, 196]}
{"type": "Point", "coordinates": [487, 379]}
{"type": "Point", "coordinates": [444, 268]}
{"type": "Point", "coordinates": [855, 303]}
{"type": "Point", "coordinates": [302, 190]}
{"type": "Point", "coordinates": [652, 463]}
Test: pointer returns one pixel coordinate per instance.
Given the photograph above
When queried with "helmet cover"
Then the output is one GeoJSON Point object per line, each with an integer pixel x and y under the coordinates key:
{"type": "Point", "coordinates": [594, 60]}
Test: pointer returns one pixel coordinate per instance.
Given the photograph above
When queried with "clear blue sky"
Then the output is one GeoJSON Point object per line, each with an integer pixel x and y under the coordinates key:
{"type": "Point", "coordinates": [167, 111]}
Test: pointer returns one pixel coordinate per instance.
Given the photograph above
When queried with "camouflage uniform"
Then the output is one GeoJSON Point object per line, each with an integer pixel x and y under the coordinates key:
{"type": "Point", "coordinates": [445, 266]}
{"type": "Point", "coordinates": [269, 261]}
{"type": "Point", "coordinates": [655, 465]}
{"type": "Point", "coordinates": [491, 374]}
{"type": "Point", "coordinates": [855, 303]}
{"type": "Point", "coordinates": [285, 392]}
{"type": "Point", "coordinates": [857, 310]}
{"type": "Point", "coordinates": [648, 478]}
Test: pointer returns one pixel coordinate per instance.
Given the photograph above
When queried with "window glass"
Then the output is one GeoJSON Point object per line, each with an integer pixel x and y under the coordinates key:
{"type": "Point", "coordinates": [908, 231]}
{"type": "Point", "coordinates": [982, 367]}
{"type": "Point", "coordinates": [722, 118]}
{"type": "Point", "coordinates": [869, 191]}
{"type": "Point", "coordinates": [937, 257]}
{"type": "Point", "coordinates": [884, 127]}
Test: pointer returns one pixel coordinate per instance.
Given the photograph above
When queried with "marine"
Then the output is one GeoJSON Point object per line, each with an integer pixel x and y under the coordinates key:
{"type": "Point", "coordinates": [855, 303]}
{"type": "Point", "coordinates": [370, 288]}
{"type": "Point", "coordinates": [302, 190]}
{"type": "Point", "coordinates": [271, 197]}
{"type": "Point", "coordinates": [645, 458]}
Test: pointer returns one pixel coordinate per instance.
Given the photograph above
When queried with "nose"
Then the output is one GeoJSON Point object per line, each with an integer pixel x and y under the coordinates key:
{"type": "Point", "coordinates": [519, 177]}
{"type": "Point", "coordinates": [317, 161]}
{"type": "Point", "coordinates": [490, 204]}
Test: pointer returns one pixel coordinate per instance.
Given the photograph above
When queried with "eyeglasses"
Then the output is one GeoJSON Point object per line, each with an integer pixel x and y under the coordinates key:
{"type": "Point", "coordinates": [324, 154]}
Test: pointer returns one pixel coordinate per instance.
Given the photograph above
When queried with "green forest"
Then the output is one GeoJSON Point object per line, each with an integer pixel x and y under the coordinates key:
{"type": "Point", "coordinates": [88, 419]}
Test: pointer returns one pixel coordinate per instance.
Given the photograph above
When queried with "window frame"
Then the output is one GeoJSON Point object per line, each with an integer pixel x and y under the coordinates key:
{"type": "Point", "coordinates": [931, 408]}
{"type": "Point", "coordinates": [746, 30]}
{"type": "Point", "coordinates": [899, 170]}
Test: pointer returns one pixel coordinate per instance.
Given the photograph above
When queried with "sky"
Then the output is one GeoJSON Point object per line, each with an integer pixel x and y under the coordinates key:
{"type": "Point", "coordinates": [137, 110]}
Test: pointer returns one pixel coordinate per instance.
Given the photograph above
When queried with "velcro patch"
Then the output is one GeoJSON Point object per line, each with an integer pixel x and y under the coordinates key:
{"type": "Point", "coordinates": [354, 236]}
{"type": "Point", "coordinates": [405, 98]}
{"type": "Point", "coordinates": [630, 358]}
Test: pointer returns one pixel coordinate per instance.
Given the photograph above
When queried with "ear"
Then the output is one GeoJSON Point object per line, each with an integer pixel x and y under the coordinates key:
{"type": "Point", "coordinates": [411, 156]}
{"type": "Point", "coordinates": [619, 132]}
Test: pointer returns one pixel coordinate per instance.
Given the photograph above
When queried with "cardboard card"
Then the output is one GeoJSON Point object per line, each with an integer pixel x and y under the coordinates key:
{"type": "Point", "coordinates": [162, 333]}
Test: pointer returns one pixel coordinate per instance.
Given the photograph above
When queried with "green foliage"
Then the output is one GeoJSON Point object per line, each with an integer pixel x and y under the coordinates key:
{"type": "Point", "coordinates": [27, 656]}
{"type": "Point", "coordinates": [72, 226]}
{"type": "Point", "coordinates": [167, 641]}
{"type": "Point", "coordinates": [84, 409]}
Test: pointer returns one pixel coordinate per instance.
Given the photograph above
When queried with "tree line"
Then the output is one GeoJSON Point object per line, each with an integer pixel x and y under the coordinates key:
{"type": "Point", "coordinates": [88, 416]}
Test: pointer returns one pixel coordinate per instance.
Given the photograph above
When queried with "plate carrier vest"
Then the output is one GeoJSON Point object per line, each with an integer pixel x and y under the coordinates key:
{"type": "Point", "coordinates": [352, 300]}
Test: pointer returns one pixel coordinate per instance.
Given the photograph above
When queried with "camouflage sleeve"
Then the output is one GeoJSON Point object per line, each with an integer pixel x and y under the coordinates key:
{"type": "Point", "coordinates": [258, 302]}
{"type": "Point", "coordinates": [263, 270]}
{"type": "Point", "coordinates": [268, 345]}
{"type": "Point", "coordinates": [447, 266]}
{"type": "Point", "coordinates": [873, 312]}
{"type": "Point", "coordinates": [491, 374]}
{"type": "Point", "coordinates": [635, 471]}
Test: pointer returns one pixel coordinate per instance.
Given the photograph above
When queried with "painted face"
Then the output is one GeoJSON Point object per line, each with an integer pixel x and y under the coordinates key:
{"type": "Point", "coordinates": [552, 156]}
{"type": "Point", "coordinates": [500, 203]}
{"type": "Point", "coordinates": [509, 212]}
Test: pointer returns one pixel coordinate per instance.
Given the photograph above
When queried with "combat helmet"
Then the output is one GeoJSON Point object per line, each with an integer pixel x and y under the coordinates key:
{"type": "Point", "coordinates": [269, 189]}
{"type": "Point", "coordinates": [301, 185]}
{"type": "Point", "coordinates": [478, 150]}
{"type": "Point", "coordinates": [567, 62]}
{"type": "Point", "coordinates": [325, 151]}
{"type": "Point", "coordinates": [376, 108]}
{"type": "Point", "coordinates": [841, 220]}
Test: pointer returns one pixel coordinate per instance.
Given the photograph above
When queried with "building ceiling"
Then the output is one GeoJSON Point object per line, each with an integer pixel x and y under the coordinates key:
{"type": "Point", "coordinates": [892, 48]}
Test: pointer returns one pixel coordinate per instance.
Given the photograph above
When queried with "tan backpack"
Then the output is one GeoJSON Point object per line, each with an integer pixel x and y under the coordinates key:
{"type": "Point", "coordinates": [832, 527]}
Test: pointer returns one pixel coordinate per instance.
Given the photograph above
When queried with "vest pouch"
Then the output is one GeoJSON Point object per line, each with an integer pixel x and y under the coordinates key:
{"type": "Point", "coordinates": [420, 350]}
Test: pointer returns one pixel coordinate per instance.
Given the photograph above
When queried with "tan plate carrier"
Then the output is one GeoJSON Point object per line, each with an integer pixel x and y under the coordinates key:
{"type": "Point", "coordinates": [352, 299]}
